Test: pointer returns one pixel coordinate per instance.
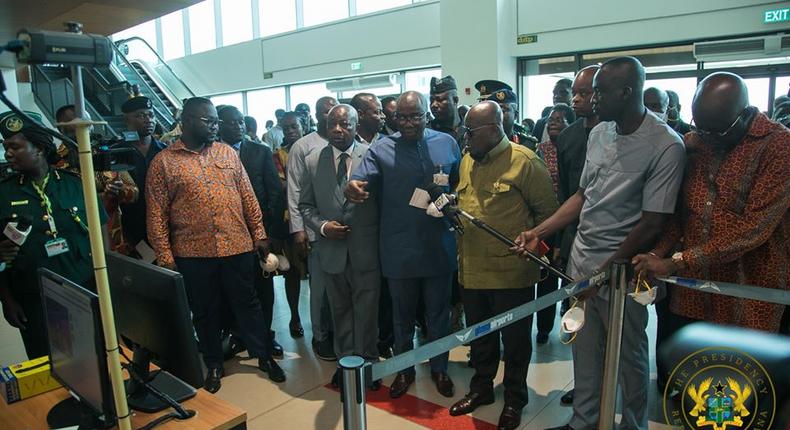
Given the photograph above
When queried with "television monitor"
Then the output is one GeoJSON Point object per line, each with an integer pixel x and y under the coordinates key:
{"type": "Point", "coordinates": [152, 317]}
{"type": "Point", "coordinates": [77, 354]}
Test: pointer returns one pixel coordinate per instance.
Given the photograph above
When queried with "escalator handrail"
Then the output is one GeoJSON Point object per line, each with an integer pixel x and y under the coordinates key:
{"type": "Point", "coordinates": [144, 66]}
{"type": "Point", "coordinates": [161, 60]}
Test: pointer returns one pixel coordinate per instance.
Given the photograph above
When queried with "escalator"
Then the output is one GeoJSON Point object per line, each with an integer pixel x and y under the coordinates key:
{"type": "Point", "coordinates": [136, 69]}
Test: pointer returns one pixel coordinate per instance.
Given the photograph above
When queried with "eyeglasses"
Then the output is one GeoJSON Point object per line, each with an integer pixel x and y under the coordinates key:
{"type": "Point", "coordinates": [209, 122]}
{"type": "Point", "coordinates": [706, 133]}
{"type": "Point", "coordinates": [469, 132]}
{"type": "Point", "coordinates": [413, 118]}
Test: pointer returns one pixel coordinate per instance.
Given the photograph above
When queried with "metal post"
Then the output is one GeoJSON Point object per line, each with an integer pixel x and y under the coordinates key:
{"type": "Point", "coordinates": [353, 393]}
{"type": "Point", "coordinates": [618, 286]}
{"type": "Point", "coordinates": [83, 125]}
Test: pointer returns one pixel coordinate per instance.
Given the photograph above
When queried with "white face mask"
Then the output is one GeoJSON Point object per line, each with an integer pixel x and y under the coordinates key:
{"type": "Point", "coordinates": [570, 324]}
{"type": "Point", "coordinates": [643, 294]}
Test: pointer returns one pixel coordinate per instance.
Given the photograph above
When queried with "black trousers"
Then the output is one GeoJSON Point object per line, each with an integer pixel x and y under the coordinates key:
{"type": "Point", "coordinates": [546, 316]}
{"type": "Point", "coordinates": [264, 289]}
{"type": "Point", "coordinates": [208, 281]}
{"type": "Point", "coordinates": [386, 331]}
{"type": "Point", "coordinates": [34, 336]}
{"type": "Point", "coordinates": [483, 304]}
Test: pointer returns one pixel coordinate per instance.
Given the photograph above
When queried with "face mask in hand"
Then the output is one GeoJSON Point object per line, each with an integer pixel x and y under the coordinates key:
{"type": "Point", "coordinates": [270, 265]}
{"type": "Point", "coordinates": [572, 321]}
{"type": "Point", "coordinates": [643, 294]}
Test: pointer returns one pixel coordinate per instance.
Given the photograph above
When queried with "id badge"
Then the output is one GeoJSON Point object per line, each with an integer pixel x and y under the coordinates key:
{"type": "Point", "coordinates": [56, 247]}
{"type": "Point", "coordinates": [442, 179]}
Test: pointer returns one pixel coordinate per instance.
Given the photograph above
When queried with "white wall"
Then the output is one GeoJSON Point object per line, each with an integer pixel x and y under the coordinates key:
{"type": "Point", "coordinates": [397, 39]}
{"type": "Point", "coordinates": [583, 25]}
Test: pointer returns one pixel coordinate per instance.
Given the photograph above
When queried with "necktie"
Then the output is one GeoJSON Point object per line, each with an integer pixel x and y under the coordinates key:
{"type": "Point", "coordinates": [342, 170]}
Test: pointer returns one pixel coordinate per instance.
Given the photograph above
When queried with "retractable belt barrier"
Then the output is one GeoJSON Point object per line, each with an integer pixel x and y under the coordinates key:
{"type": "Point", "coordinates": [752, 292]}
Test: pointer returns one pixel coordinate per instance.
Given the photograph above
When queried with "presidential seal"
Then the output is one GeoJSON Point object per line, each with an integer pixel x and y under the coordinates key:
{"type": "Point", "coordinates": [720, 388]}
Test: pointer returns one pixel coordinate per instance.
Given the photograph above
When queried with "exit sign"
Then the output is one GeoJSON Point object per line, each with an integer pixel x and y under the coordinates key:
{"type": "Point", "coordinates": [356, 66]}
{"type": "Point", "coordinates": [527, 38]}
{"type": "Point", "coordinates": [777, 15]}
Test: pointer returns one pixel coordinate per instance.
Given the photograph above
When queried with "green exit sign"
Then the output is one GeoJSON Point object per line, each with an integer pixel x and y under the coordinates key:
{"type": "Point", "coordinates": [777, 15]}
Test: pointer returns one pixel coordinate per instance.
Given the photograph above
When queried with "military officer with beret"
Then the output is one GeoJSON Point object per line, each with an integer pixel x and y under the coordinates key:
{"type": "Point", "coordinates": [508, 102]}
{"type": "Point", "coordinates": [51, 200]}
{"type": "Point", "coordinates": [444, 106]}
{"type": "Point", "coordinates": [138, 115]}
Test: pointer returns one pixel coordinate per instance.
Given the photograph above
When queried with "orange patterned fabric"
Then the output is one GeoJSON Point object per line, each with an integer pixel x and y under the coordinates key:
{"type": "Point", "coordinates": [548, 153]}
{"type": "Point", "coordinates": [734, 226]}
{"type": "Point", "coordinates": [201, 204]}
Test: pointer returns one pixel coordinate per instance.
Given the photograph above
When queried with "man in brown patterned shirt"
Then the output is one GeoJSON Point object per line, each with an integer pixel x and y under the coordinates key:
{"type": "Point", "coordinates": [205, 222]}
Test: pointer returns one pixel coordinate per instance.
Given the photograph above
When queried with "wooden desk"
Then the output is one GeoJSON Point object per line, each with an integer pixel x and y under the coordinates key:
{"type": "Point", "coordinates": [212, 413]}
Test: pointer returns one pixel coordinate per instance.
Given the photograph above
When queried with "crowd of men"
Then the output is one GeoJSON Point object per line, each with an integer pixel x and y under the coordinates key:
{"type": "Point", "coordinates": [610, 172]}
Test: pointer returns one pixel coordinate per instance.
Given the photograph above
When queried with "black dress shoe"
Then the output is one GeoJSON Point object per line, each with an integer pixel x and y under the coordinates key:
{"type": "Point", "coordinates": [213, 381]}
{"type": "Point", "coordinates": [567, 398]}
{"type": "Point", "coordinates": [296, 329]}
{"type": "Point", "coordinates": [277, 350]}
{"type": "Point", "coordinates": [510, 418]}
{"type": "Point", "coordinates": [542, 338]}
{"type": "Point", "coordinates": [375, 385]}
{"type": "Point", "coordinates": [565, 427]}
{"type": "Point", "coordinates": [401, 384]}
{"type": "Point", "coordinates": [324, 350]}
{"type": "Point", "coordinates": [444, 385]}
{"type": "Point", "coordinates": [271, 367]}
{"type": "Point", "coordinates": [385, 351]}
{"type": "Point", "coordinates": [470, 402]}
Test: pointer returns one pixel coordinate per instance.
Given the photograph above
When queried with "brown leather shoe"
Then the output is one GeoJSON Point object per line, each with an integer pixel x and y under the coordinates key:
{"type": "Point", "coordinates": [510, 418]}
{"type": "Point", "coordinates": [401, 384]}
{"type": "Point", "coordinates": [444, 385]}
{"type": "Point", "coordinates": [470, 402]}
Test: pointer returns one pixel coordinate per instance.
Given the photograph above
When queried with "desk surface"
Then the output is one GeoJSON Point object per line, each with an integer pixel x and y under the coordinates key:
{"type": "Point", "coordinates": [212, 413]}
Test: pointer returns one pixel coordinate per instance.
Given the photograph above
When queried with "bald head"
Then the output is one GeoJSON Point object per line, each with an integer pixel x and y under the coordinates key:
{"type": "Point", "coordinates": [583, 90]}
{"type": "Point", "coordinates": [657, 101]}
{"type": "Point", "coordinates": [484, 129]}
{"type": "Point", "coordinates": [626, 72]}
{"type": "Point", "coordinates": [484, 113]}
{"type": "Point", "coordinates": [411, 110]}
{"type": "Point", "coordinates": [412, 99]}
{"type": "Point", "coordinates": [720, 98]}
{"type": "Point", "coordinates": [341, 126]}
{"type": "Point", "coordinates": [618, 89]}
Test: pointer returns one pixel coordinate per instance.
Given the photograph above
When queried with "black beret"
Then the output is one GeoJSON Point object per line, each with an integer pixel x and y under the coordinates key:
{"type": "Point", "coordinates": [136, 103]}
{"type": "Point", "coordinates": [490, 86]}
{"type": "Point", "coordinates": [12, 124]}
{"type": "Point", "coordinates": [440, 85]}
{"type": "Point", "coordinates": [503, 96]}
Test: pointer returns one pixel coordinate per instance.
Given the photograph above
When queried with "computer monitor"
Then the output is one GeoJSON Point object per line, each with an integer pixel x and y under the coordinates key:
{"type": "Point", "coordinates": [152, 316]}
{"type": "Point", "coordinates": [77, 353]}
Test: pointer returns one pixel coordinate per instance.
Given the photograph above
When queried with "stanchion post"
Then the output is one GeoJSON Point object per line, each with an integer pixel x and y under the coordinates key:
{"type": "Point", "coordinates": [618, 287]}
{"type": "Point", "coordinates": [353, 393]}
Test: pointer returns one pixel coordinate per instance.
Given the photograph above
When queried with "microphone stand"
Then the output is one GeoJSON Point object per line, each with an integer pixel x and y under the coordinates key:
{"type": "Point", "coordinates": [504, 239]}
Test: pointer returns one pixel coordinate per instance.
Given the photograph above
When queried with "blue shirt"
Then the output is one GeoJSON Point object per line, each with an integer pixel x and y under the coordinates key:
{"type": "Point", "coordinates": [413, 244]}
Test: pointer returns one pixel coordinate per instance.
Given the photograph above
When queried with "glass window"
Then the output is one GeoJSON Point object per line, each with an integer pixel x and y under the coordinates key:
{"type": "Point", "coordinates": [538, 93]}
{"type": "Point", "coordinates": [236, 21]}
{"type": "Point", "coordinates": [369, 6]}
{"type": "Point", "coordinates": [392, 90]}
{"type": "Point", "coordinates": [782, 86]}
{"type": "Point", "coordinates": [261, 105]}
{"type": "Point", "coordinates": [758, 92]}
{"type": "Point", "coordinates": [277, 16]}
{"type": "Point", "coordinates": [420, 80]}
{"type": "Point", "coordinates": [321, 11]}
{"type": "Point", "coordinates": [146, 31]}
{"type": "Point", "coordinates": [233, 99]}
{"type": "Point", "coordinates": [202, 31]}
{"type": "Point", "coordinates": [685, 88]}
{"type": "Point", "coordinates": [173, 35]}
{"type": "Point", "coordinates": [309, 93]}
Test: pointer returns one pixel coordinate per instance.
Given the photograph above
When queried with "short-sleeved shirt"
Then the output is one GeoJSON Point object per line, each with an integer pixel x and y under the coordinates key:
{"type": "Point", "coordinates": [18, 198]}
{"type": "Point", "coordinates": [413, 244]}
{"type": "Point", "coordinates": [623, 176]}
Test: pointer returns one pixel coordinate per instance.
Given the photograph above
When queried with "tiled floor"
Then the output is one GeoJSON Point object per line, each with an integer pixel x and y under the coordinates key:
{"type": "Point", "coordinates": [303, 402]}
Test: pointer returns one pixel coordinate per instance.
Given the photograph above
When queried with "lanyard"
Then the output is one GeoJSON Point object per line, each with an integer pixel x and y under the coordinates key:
{"type": "Point", "coordinates": [46, 203]}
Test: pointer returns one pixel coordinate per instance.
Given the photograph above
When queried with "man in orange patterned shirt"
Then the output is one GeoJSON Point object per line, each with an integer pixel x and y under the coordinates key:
{"type": "Point", "coordinates": [204, 221]}
{"type": "Point", "coordinates": [733, 224]}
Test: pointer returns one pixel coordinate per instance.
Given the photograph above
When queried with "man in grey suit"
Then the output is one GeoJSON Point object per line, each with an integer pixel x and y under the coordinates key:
{"type": "Point", "coordinates": [348, 239]}
{"type": "Point", "coordinates": [257, 161]}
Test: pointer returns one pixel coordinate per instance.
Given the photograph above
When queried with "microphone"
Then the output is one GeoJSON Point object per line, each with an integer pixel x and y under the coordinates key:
{"type": "Point", "coordinates": [17, 230]}
{"type": "Point", "coordinates": [442, 207]}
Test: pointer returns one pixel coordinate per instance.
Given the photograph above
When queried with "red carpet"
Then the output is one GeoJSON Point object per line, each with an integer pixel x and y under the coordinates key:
{"type": "Point", "coordinates": [422, 412]}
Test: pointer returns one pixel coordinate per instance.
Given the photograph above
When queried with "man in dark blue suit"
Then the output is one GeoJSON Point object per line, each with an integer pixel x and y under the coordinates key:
{"type": "Point", "coordinates": [418, 255]}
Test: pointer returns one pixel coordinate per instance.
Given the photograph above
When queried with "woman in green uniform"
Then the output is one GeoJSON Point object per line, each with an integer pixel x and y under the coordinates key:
{"type": "Point", "coordinates": [53, 201]}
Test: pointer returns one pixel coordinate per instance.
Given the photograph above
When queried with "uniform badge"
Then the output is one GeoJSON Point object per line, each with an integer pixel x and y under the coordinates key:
{"type": "Point", "coordinates": [482, 89]}
{"type": "Point", "coordinates": [14, 124]}
{"type": "Point", "coordinates": [500, 95]}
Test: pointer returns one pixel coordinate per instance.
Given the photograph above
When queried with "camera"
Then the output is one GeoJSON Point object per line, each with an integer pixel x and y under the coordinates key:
{"type": "Point", "coordinates": [41, 46]}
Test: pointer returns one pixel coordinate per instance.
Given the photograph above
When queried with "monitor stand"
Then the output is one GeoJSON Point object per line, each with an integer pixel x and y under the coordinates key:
{"type": "Point", "coordinates": [141, 393]}
{"type": "Point", "coordinates": [73, 413]}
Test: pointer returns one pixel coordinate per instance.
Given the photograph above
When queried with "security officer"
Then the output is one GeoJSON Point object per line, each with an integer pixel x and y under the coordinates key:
{"type": "Point", "coordinates": [53, 202]}
{"type": "Point", "coordinates": [444, 106]}
{"type": "Point", "coordinates": [508, 102]}
{"type": "Point", "coordinates": [487, 87]}
{"type": "Point", "coordinates": [506, 186]}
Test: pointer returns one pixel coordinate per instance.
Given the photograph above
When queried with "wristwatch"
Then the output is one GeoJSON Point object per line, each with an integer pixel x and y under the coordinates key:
{"type": "Point", "coordinates": [677, 258]}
